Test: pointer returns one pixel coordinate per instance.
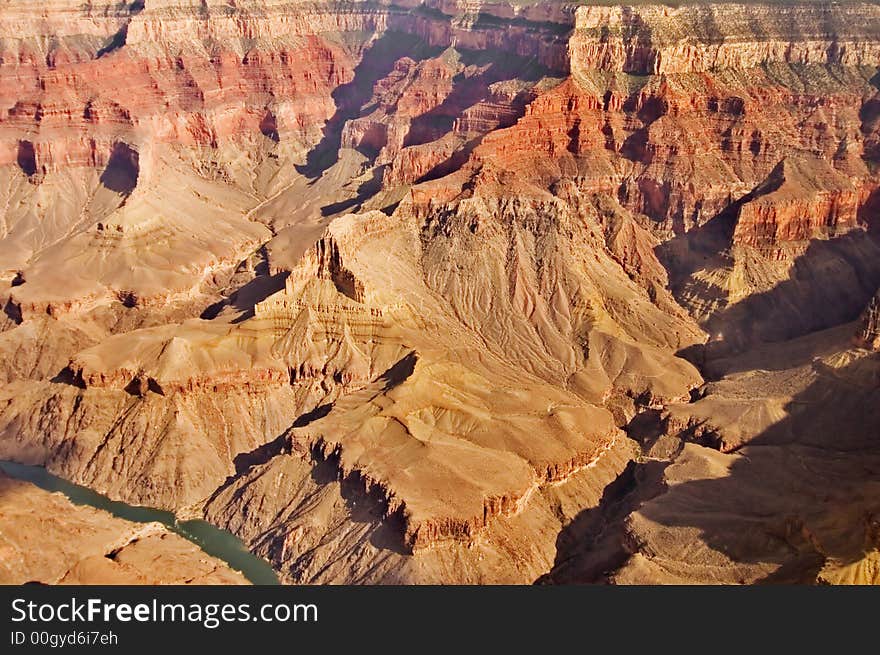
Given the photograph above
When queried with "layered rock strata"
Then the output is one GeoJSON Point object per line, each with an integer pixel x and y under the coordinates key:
{"type": "Point", "coordinates": [379, 286]}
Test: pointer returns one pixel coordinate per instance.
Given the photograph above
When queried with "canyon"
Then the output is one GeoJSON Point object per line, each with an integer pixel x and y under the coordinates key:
{"type": "Point", "coordinates": [445, 292]}
{"type": "Point", "coordinates": [46, 539]}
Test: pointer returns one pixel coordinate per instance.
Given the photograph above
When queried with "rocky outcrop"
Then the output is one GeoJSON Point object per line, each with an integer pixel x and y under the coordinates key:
{"type": "Point", "coordinates": [429, 522]}
{"type": "Point", "coordinates": [93, 165]}
{"type": "Point", "coordinates": [798, 202]}
{"type": "Point", "coordinates": [290, 533]}
{"type": "Point", "coordinates": [208, 255]}
{"type": "Point", "coordinates": [868, 335]}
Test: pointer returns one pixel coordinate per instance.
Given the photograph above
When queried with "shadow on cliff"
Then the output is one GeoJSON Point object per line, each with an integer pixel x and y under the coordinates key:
{"type": "Point", "coordinates": [365, 504]}
{"type": "Point", "coordinates": [468, 91]}
{"type": "Point", "coordinates": [452, 163]}
{"type": "Point", "coordinates": [485, 68]}
{"type": "Point", "coordinates": [122, 170]}
{"type": "Point", "coordinates": [466, 94]}
{"type": "Point", "coordinates": [244, 298]}
{"type": "Point", "coordinates": [830, 283]}
{"type": "Point", "coordinates": [119, 39]}
{"type": "Point", "coordinates": [377, 62]}
{"type": "Point", "coordinates": [590, 547]}
{"type": "Point", "coordinates": [802, 492]}
{"type": "Point", "coordinates": [364, 192]}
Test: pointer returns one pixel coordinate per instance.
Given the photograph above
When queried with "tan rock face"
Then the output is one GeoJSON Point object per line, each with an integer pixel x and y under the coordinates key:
{"type": "Point", "coordinates": [400, 284]}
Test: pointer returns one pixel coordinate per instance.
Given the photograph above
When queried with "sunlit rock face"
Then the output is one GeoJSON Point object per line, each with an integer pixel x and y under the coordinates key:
{"type": "Point", "coordinates": [429, 292]}
{"type": "Point", "coordinates": [869, 331]}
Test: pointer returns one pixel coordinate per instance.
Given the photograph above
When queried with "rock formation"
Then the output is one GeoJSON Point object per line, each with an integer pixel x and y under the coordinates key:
{"type": "Point", "coordinates": [452, 292]}
{"type": "Point", "coordinates": [869, 331]}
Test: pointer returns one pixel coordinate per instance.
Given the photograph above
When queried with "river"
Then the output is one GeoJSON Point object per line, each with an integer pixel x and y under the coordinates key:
{"type": "Point", "coordinates": [212, 540]}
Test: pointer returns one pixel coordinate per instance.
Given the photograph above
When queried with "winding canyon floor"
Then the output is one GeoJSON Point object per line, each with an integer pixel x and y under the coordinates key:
{"type": "Point", "coordinates": [440, 292]}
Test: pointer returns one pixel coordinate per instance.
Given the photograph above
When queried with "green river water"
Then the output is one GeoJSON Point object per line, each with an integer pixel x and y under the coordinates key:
{"type": "Point", "coordinates": [212, 540]}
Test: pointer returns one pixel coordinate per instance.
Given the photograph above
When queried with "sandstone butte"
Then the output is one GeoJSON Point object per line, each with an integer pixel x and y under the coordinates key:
{"type": "Point", "coordinates": [444, 291]}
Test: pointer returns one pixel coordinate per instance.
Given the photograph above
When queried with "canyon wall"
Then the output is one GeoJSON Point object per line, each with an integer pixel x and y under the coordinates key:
{"type": "Point", "coordinates": [397, 279]}
{"type": "Point", "coordinates": [708, 37]}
